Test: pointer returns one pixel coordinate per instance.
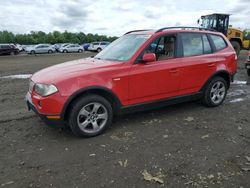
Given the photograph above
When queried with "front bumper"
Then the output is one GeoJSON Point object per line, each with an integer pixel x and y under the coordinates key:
{"type": "Point", "coordinates": [47, 119]}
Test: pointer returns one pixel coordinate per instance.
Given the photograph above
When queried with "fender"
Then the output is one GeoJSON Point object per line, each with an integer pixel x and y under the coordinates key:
{"type": "Point", "coordinates": [94, 89]}
{"type": "Point", "coordinates": [222, 73]}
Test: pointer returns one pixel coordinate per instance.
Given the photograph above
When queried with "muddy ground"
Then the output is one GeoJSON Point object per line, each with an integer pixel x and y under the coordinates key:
{"type": "Point", "coordinates": [185, 145]}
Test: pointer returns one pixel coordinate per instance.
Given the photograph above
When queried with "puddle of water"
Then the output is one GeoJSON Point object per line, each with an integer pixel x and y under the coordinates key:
{"type": "Point", "coordinates": [236, 100]}
{"type": "Point", "coordinates": [237, 92]}
{"type": "Point", "coordinates": [17, 76]}
{"type": "Point", "coordinates": [237, 82]}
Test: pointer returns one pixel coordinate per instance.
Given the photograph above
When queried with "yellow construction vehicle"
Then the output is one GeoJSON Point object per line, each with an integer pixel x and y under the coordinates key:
{"type": "Point", "coordinates": [220, 22]}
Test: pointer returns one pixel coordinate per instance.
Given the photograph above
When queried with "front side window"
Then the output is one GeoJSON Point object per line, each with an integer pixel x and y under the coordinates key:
{"type": "Point", "coordinates": [218, 42]}
{"type": "Point", "coordinates": [163, 47]}
{"type": "Point", "coordinates": [123, 48]}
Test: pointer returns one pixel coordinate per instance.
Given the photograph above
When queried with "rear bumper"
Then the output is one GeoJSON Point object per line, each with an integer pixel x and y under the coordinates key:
{"type": "Point", "coordinates": [47, 119]}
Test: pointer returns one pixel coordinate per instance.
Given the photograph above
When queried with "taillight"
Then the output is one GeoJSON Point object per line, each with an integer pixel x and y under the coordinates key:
{"type": "Point", "coordinates": [235, 56]}
{"type": "Point", "coordinates": [248, 56]}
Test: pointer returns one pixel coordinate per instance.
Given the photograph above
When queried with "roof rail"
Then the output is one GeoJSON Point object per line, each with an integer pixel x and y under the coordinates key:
{"type": "Point", "coordinates": [181, 27]}
{"type": "Point", "coordinates": [136, 31]}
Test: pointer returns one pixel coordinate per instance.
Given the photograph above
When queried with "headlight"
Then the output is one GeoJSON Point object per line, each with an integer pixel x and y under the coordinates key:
{"type": "Point", "coordinates": [45, 90]}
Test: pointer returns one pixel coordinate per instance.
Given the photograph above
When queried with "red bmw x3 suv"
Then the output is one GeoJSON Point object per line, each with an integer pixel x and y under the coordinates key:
{"type": "Point", "coordinates": [140, 70]}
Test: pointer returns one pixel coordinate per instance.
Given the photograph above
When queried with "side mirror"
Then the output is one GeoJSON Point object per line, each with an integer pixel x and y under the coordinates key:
{"type": "Point", "coordinates": [148, 57]}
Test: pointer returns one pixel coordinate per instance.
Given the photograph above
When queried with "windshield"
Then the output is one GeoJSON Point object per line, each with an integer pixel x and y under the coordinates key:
{"type": "Point", "coordinates": [123, 48]}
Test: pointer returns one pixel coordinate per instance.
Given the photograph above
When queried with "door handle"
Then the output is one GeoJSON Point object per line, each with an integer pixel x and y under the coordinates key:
{"type": "Point", "coordinates": [211, 65]}
{"type": "Point", "coordinates": [173, 70]}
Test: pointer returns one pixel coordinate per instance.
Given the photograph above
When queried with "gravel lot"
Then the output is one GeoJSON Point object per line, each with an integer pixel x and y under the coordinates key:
{"type": "Point", "coordinates": [185, 145]}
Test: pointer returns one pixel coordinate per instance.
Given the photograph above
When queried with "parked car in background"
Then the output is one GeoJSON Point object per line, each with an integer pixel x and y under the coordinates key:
{"type": "Point", "coordinates": [98, 46]}
{"type": "Point", "coordinates": [26, 46]}
{"type": "Point", "coordinates": [40, 48]}
{"type": "Point", "coordinates": [85, 46]}
{"type": "Point", "coordinates": [8, 49]}
{"type": "Point", "coordinates": [248, 64]}
{"type": "Point", "coordinates": [71, 48]}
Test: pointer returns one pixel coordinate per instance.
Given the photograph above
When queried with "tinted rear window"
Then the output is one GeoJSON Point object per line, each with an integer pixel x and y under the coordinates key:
{"type": "Point", "coordinates": [5, 46]}
{"type": "Point", "coordinates": [219, 42]}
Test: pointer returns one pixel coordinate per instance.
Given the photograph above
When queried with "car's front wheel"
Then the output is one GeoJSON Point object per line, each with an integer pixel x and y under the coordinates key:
{"type": "Point", "coordinates": [215, 92]}
{"type": "Point", "coordinates": [80, 51]}
{"type": "Point", "coordinates": [90, 116]}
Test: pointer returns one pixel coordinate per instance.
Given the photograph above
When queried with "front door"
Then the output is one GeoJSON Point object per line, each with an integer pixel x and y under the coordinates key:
{"type": "Point", "coordinates": [159, 79]}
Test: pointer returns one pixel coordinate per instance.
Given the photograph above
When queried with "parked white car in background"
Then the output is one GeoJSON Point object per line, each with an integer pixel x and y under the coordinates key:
{"type": "Point", "coordinates": [40, 48]}
{"type": "Point", "coordinates": [98, 46]}
{"type": "Point", "coordinates": [71, 48]}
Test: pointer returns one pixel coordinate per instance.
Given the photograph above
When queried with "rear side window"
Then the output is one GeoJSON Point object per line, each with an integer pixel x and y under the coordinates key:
{"type": "Point", "coordinates": [219, 42]}
{"type": "Point", "coordinates": [5, 46]}
{"type": "Point", "coordinates": [192, 44]}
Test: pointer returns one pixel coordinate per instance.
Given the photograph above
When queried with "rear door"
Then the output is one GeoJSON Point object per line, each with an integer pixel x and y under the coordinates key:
{"type": "Point", "coordinates": [95, 45]}
{"type": "Point", "coordinates": [39, 49]}
{"type": "Point", "coordinates": [197, 61]}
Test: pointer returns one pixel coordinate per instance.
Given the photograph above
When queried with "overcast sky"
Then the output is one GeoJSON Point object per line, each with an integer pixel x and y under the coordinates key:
{"type": "Point", "coordinates": [114, 18]}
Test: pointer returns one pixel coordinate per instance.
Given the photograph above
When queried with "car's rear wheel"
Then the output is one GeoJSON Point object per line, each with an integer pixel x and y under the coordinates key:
{"type": "Point", "coordinates": [12, 53]}
{"type": "Point", "coordinates": [50, 51]}
{"type": "Point", "coordinates": [248, 72]}
{"type": "Point", "coordinates": [32, 52]}
{"type": "Point", "coordinates": [90, 116]}
{"type": "Point", "coordinates": [65, 51]}
{"type": "Point", "coordinates": [215, 92]}
{"type": "Point", "coordinates": [80, 51]}
{"type": "Point", "coordinates": [99, 49]}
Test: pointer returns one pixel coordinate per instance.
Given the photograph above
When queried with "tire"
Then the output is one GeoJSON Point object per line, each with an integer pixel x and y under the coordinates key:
{"type": "Point", "coordinates": [236, 47]}
{"type": "Point", "coordinates": [215, 92]}
{"type": "Point", "coordinates": [65, 51]}
{"type": "Point", "coordinates": [83, 112]}
{"type": "Point", "coordinates": [12, 53]}
{"type": "Point", "coordinates": [99, 50]}
{"type": "Point", "coordinates": [79, 51]}
{"type": "Point", "coordinates": [50, 51]}
{"type": "Point", "coordinates": [248, 72]}
{"type": "Point", "coordinates": [32, 52]}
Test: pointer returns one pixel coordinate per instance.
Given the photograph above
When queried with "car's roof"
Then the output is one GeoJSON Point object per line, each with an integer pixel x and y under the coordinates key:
{"type": "Point", "coordinates": [174, 30]}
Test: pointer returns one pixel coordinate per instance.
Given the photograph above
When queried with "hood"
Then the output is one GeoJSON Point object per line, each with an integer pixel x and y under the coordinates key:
{"type": "Point", "coordinates": [70, 69]}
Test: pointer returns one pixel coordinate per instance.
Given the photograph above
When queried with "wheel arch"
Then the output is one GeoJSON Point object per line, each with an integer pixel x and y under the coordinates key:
{"type": "Point", "coordinates": [237, 40]}
{"type": "Point", "coordinates": [98, 90]}
{"type": "Point", "coordinates": [222, 73]}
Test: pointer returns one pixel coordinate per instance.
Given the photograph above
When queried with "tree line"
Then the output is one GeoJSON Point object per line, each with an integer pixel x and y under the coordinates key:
{"type": "Point", "coordinates": [37, 37]}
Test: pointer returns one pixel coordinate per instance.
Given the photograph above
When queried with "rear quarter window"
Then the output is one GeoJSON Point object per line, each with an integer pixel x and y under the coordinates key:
{"type": "Point", "coordinates": [219, 42]}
